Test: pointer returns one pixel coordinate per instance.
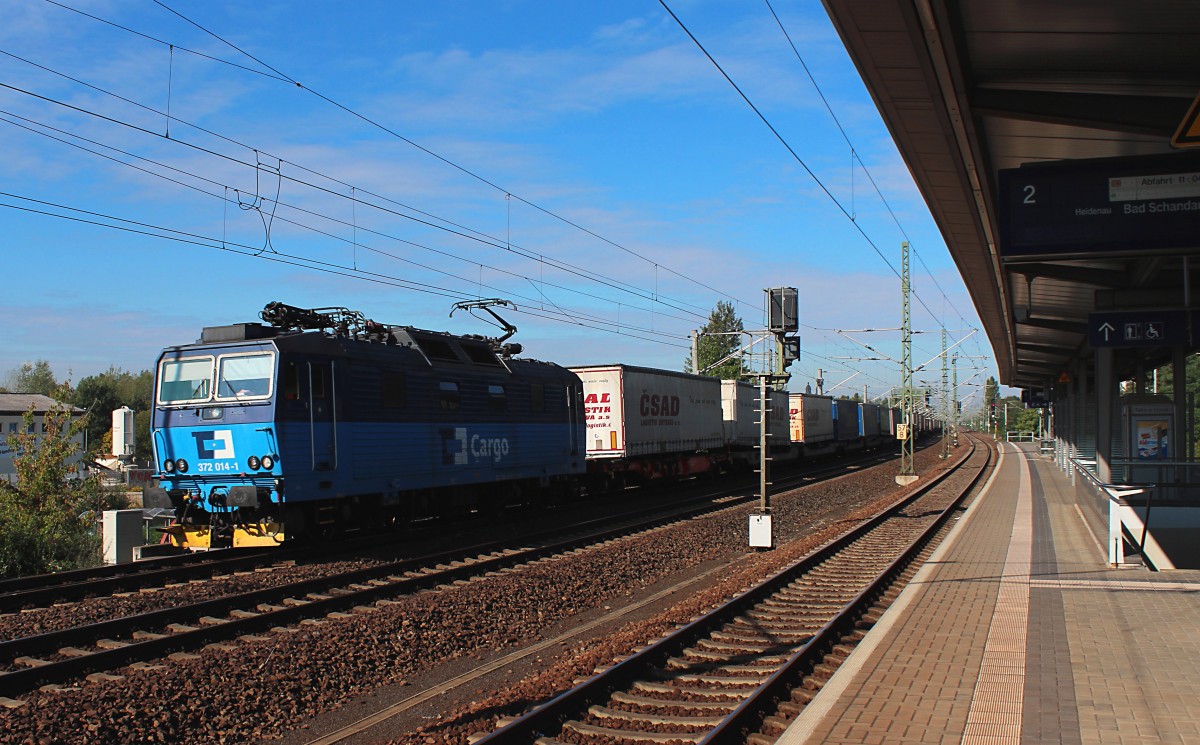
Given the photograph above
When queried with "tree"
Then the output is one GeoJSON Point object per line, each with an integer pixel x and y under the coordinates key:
{"type": "Point", "coordinates": [991, 392]}
{"type": "Point", "coordinates": [101, 394]}
{"type": "Point", "coordinates": [719, 338]}
{"type": "Point", "coordinates": [47, 517]}
{"type": "Point", "coordinates": [32, 377]}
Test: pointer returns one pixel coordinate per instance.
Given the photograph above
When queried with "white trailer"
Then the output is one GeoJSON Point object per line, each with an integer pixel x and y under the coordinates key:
{"type": "Point", "coordinates": [740, 408]}
{"type": "Point", "coordinates": [635, 411]}
{"type": "Point", "coordinates": [812, 425]}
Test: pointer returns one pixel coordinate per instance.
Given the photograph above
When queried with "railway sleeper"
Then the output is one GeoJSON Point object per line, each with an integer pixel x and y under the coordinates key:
{"type": "Point", "coordinates": [801, 697]}
{"type": "Point", "coordinates": [674, 690]}
{"type": "Point", "coordinates": [676, 663]}
{"type": "Point", "coordinates": [713, 646]}
{"type": "Point", "coordinates": [817, 597]}
{"type": "Point", "coordinates": [583, 729]}
{"type": "Point", "coordinates": [793, 612]}
{"type": "Point", "coordinates": [790, 709]}
{"type": "Point", "coordinates": [605, 713]}
{"type": "Point", "coordinates": [775, 725]}
{"type": "Point", "coordinates": [647, 702]}
{"type": "Point", "coordinates": [824, 670]}
{"type": "Point", "coordinates": [697, 655]}
{"type": "Point", "coordinates": [813, 683]}
{"type": "Point", "coordinates": [73, 652]}
{"type": "Point", "coordinates": [775, 628]}
{"type": "Point", "coordinates": [730, 681]}
{"type": "Point", "coordinates": [754, 633]}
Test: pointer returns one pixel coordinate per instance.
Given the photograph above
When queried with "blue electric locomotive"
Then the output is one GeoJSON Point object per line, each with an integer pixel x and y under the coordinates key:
{"type": "Point", "coordinates": [324, 420]}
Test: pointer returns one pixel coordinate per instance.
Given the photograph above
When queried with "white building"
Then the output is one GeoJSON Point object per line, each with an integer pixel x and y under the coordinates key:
{"type": "Point", "coordinates": [12, 412]}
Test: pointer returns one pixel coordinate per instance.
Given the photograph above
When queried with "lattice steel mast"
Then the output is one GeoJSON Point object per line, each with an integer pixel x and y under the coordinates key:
{"type": "Point", "coordinates": [907, 473]}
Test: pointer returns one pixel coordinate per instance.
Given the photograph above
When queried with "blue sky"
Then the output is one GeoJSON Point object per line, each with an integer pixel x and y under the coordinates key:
{"type": "Point", "coordinates": [583, 160]}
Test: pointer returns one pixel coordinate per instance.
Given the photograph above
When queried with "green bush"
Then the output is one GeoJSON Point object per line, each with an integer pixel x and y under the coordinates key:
{"type": "Point", "coordinates": [48, 518]}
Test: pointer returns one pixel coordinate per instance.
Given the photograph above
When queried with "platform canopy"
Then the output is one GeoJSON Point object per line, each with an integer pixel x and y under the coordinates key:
{"type": "Point", "coordinates": [974, 89]}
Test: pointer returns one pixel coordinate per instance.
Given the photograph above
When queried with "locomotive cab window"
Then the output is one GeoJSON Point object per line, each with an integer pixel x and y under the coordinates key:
{"type": "Point", "coordinates": [186, 380]}
{"type": "Point", "coordinates": [451, 399]}
{"type": "Point", "coordinates": [244, 376]}
{"type": "Point", "coordinates": [393, 390]}
{"type": "Point", "coordinates": [289, 386]}
{"type": "Point", "coordinates": [497, 398]}
{"type": "Point", "coordinates": [317, 376]}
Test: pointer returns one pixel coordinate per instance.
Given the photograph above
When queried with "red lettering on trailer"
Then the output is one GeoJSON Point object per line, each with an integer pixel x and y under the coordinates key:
{"type": "Point", "coordinates": [598, 398]}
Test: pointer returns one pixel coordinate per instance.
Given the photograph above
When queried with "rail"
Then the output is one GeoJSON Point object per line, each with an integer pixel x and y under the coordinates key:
{"type": "Point", "coordinates": [750, 712]}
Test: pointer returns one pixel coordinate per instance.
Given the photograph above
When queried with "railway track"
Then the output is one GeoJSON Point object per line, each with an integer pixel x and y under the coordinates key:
{"type": "Point", "coordinates": [263, 685]}
{"type": "Point", "coordinates": [59, 587]}
{"type": "Point", "coordinates": [736, 674]}
{"type": "Point", "coordinates": [103, 646]}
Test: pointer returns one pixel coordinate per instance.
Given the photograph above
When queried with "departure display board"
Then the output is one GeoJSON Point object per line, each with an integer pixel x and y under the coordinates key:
{"type": "Point", "coordinates": [1089, 207]}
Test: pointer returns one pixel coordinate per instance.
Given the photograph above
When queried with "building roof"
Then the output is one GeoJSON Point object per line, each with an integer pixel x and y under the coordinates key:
{"type": "Point", "coordinates": [19, 403]}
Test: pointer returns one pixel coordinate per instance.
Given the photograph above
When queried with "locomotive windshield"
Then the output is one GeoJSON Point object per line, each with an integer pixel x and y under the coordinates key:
{"type": "Point", "coordinates": [185, 380]}
{"type": "Point", "coordinates": [245, 376]}
{"type": "Point", "coordinates": [239, 376]}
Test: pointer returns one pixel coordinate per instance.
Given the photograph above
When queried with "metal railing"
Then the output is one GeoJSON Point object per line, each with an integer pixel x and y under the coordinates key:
{"type": "Point", "coordinates": [1118, 506]}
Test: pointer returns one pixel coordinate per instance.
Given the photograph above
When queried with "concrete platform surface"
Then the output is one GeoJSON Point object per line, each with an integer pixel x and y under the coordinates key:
{"type": "Point", "coordinates": [1018, 631]}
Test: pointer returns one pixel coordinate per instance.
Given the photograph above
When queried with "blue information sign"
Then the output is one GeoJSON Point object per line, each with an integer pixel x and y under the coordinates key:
{"type": "Point", "coordinates": [1138, 328]}
{"type": "Point", "coordinates": [1088, 207]}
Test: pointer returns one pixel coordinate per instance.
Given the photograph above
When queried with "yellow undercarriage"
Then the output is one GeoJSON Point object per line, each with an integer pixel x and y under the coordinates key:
{"type": "Point", "coordinates": [199, 538]}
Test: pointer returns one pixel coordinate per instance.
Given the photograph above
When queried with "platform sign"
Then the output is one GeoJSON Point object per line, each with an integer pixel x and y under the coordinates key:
{"type": "Point", "coordinates": [1138, 328]}
{"type": "Point", "coordinates": [1089, 207]}
{"type": "Point", "coordinates": [1034, 399]}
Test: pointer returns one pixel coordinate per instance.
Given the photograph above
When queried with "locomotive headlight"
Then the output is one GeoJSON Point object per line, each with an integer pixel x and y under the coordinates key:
{"type": "Point", "coordinates": [253, 462]}
{"type": "Point", "coordinates": [168, 466]}
{"type": "Point", "coordinates": [212, 412]}
{"type": "Point", "coordinates": [268, 462]}
{"type": "Point", "coordinates": [182, 465]}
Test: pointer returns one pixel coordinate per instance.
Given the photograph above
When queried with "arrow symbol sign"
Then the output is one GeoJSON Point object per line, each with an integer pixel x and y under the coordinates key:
{"type": "Point", "coordinates": [1106, 328]}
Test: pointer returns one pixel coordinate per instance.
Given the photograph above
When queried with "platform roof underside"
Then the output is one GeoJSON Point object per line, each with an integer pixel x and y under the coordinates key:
{"type": "Point", "coordinates": [969, 88]}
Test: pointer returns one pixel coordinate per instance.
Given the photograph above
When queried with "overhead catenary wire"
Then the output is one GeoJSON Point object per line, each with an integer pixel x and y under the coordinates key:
{"type": "Point", "coordinates": [289, 170]}
{"type": "Point", "coordinates": [384, 128]}
{"type": "Point", "coordinates": [195, 239]}
{"type": "Point", "coordinates": [257, 166]}
{"type": "Point", "coordinates": [276, 203]}
{"type": "Point", "coordinates": [783, 141]}
{"type": "Point", "coordinates": [455, 229]}
{"type": "Point", "coordinates": [854, 151]}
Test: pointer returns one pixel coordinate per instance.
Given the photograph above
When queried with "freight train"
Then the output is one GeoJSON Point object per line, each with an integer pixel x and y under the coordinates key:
{"type": "Point", "coordinates": [322, 420]}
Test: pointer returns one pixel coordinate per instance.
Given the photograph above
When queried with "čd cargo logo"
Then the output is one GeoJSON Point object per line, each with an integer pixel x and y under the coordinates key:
{"type": "Point", "coordinates": [459, 450]}
{"type": "Point", "coordinates": [214, 444]}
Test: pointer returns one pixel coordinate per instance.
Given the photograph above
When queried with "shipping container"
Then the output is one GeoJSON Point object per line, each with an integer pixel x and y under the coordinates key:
{"type": "Point", "coordinates": [740, 408]}
{"type": "Point", "coordinates": [636, 411]}
{"type": "Point", "coordinates": [868, 423]}
{"type": "Point", "coordinates": [811, 419]}
{"type": "Point", "coordinates": [845, 421]}
{"type": "Point", "coordinates": [895, 417]}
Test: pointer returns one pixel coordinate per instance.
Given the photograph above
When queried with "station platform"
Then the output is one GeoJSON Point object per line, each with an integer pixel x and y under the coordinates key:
{"type": "Point", "coordinates": [1019, 631]}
